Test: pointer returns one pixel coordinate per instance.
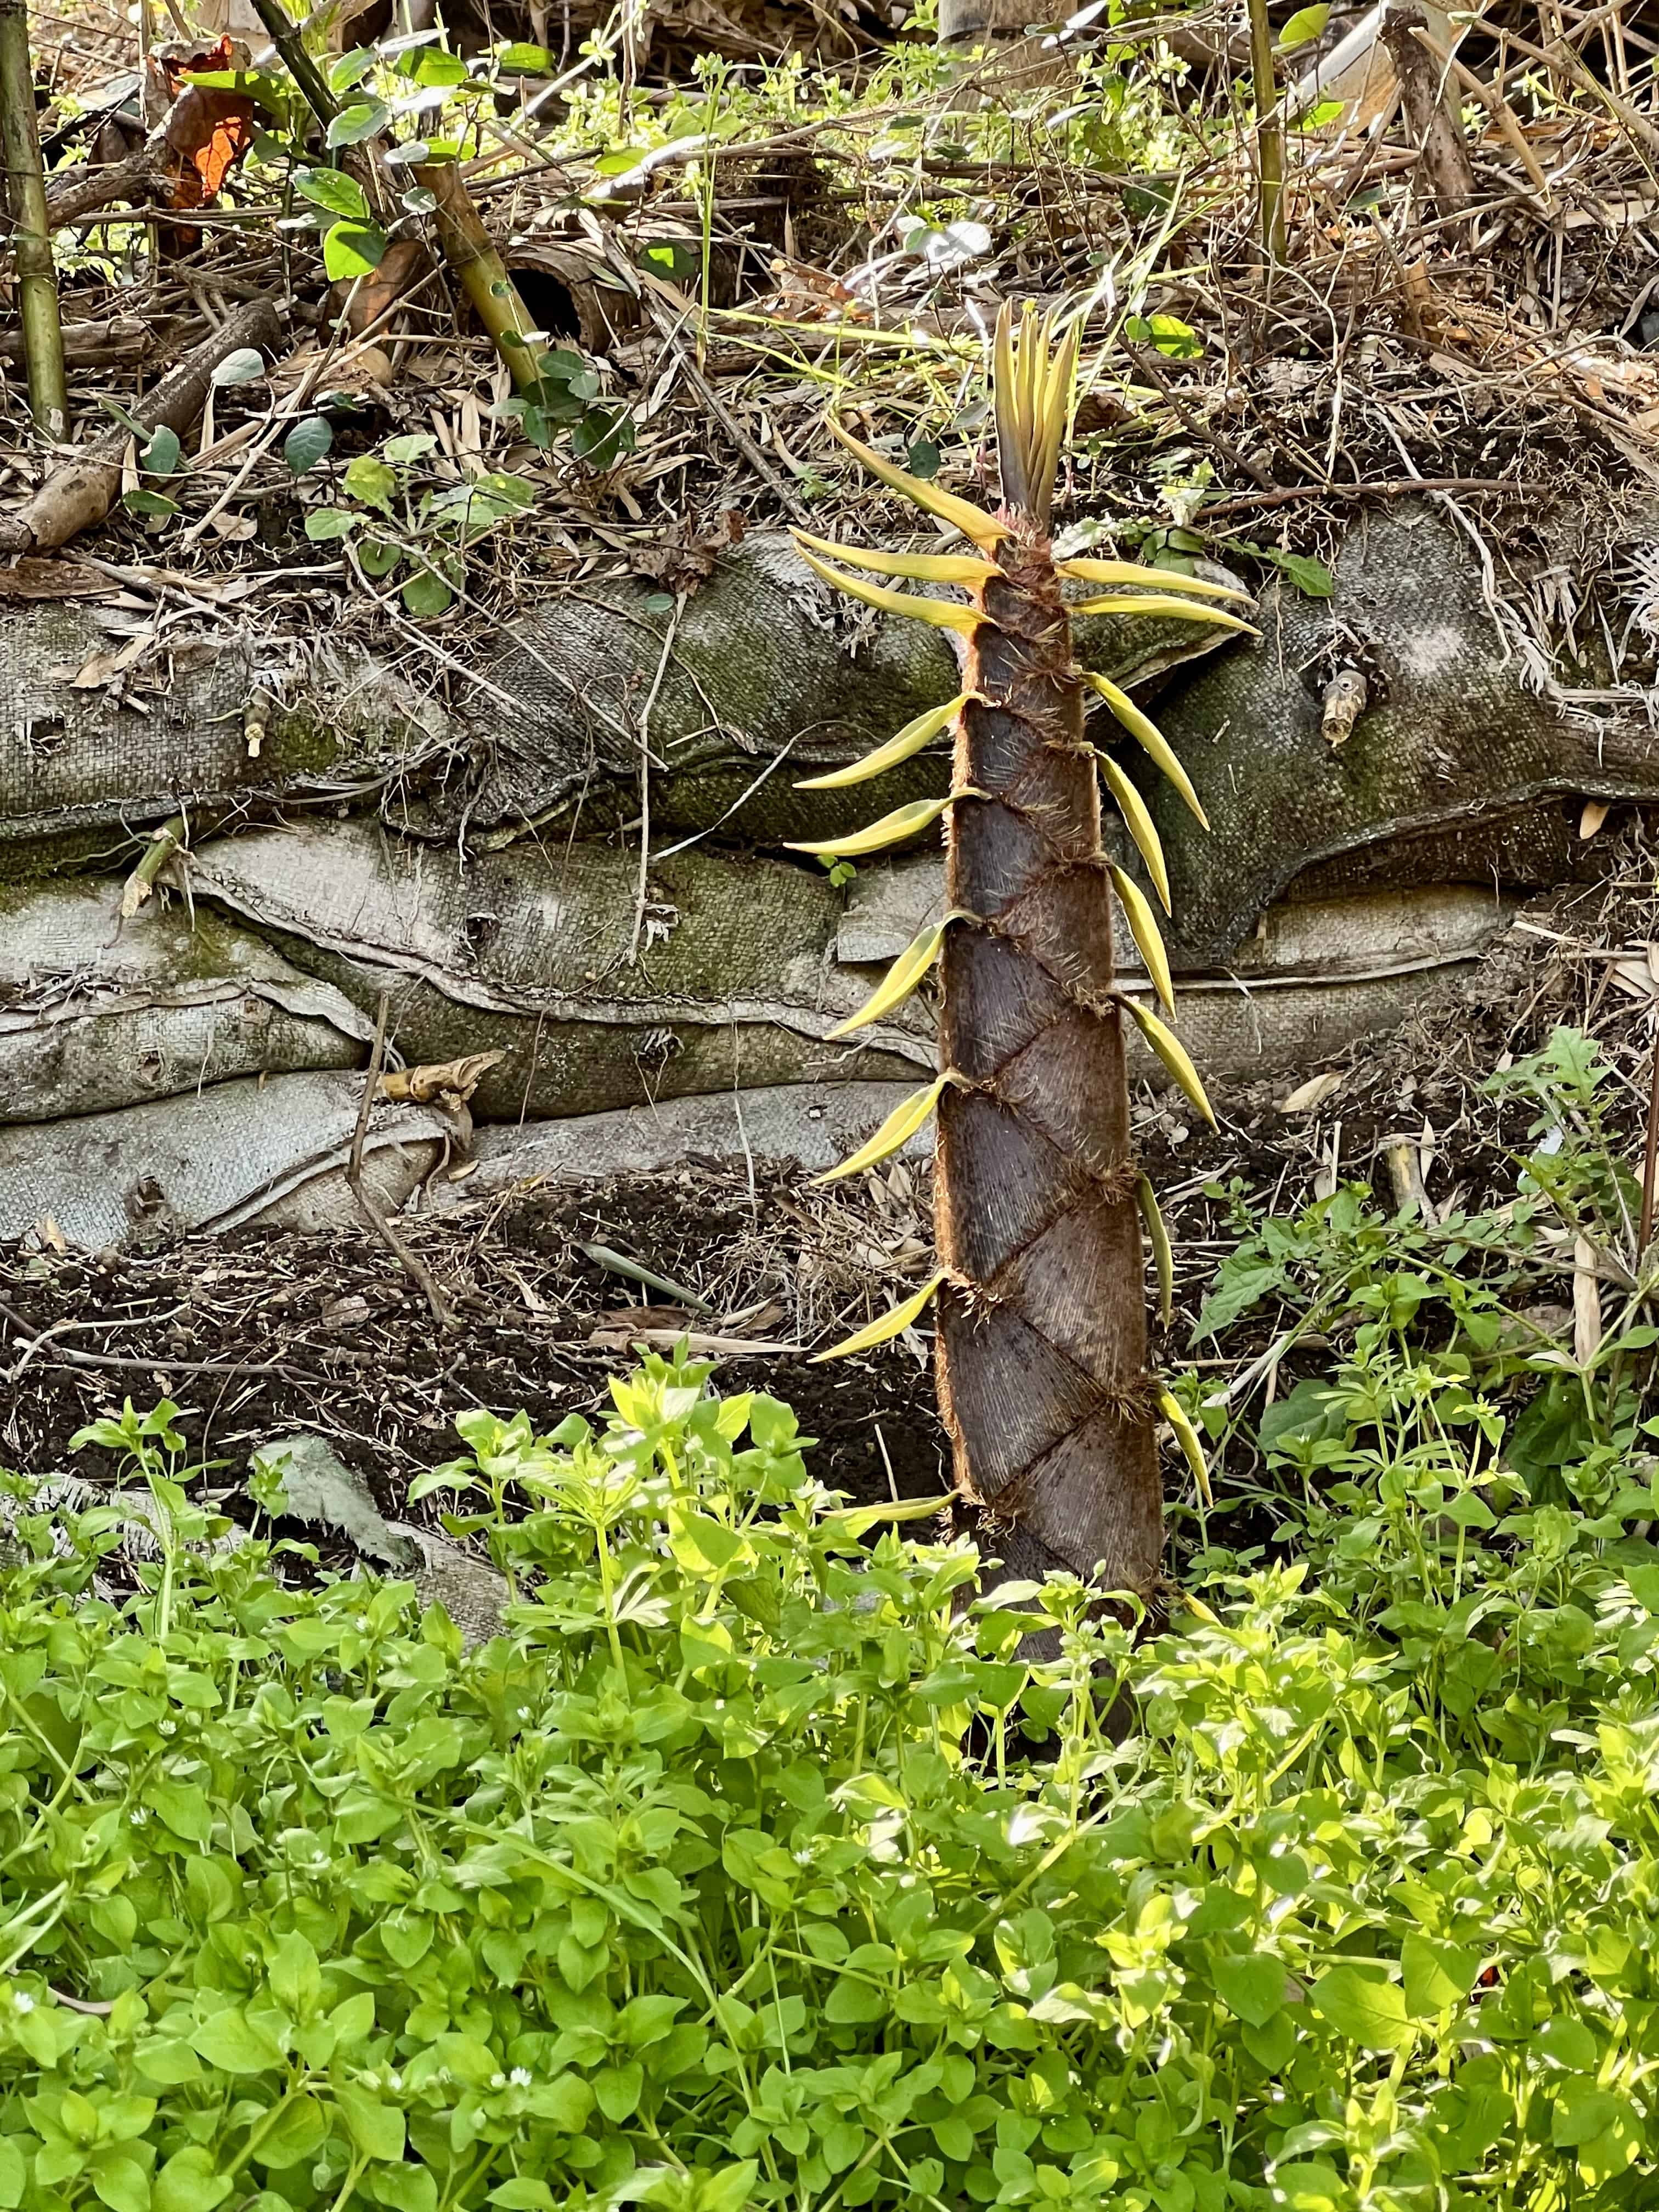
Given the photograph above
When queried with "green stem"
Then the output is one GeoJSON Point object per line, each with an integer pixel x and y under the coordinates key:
{"type": "Point", "coordinates": [266, 2123]}
{"type": "Point", "coordinates": [349, 2186]}
{"type": "Point", "coordinates": [57, 1899]}
{"type": "Point", "coordinates": [481, 272]}
{"type": "Point", "coordinates": [37, 278]}
{"type": "Point", "coordinates": [284, 34]}
{"type": "Point", "coordinates": [1269, 134]}
{"type": "Point", "coordinates": [607, 1591]}
{"type": "Point", "coordinates": [169, 1537]}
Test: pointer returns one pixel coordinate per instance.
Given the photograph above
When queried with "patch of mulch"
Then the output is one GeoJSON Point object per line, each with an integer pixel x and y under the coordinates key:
{"type": "Point", "coordinates": [258, 1335]}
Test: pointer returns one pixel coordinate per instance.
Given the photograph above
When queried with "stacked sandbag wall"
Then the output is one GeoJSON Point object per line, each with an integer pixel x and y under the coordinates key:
{"type": "Point", "coordinates": [577, 863]}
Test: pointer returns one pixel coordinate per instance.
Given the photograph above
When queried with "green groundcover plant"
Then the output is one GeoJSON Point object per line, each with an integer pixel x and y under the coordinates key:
{"type": "Point", "coordinates": [756, 1863]}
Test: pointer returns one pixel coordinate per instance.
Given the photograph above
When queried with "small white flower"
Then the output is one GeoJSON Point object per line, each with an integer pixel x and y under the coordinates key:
{"type": "Point", "coordinates": [138, 1815]}
{"type": "Point", "coordinates": [394, 2081]}
{"type": "Point", "coordinates": [23, 2002]}
{"type": "Point", "coordinates": [523, 1712]}
{"type": "Point", "coordinates": [360, 1624]}
{"type": "Point", "coordinates": [520, 2077]}
{"type": "Point", "coordinates": [167, 1728]}
{"type": "Point", "coordinates": [803, 1859]}
{"type": "Point", "coordinates": [498, 2081]}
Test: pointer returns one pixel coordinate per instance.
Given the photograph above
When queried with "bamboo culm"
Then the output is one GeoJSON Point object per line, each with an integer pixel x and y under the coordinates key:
{"type": "Point", "coordinates": [37, 277]}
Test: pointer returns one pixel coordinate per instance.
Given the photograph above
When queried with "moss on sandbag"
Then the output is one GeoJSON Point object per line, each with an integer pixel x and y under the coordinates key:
{"type": "Point", "coordinates": [92, 752]}
{"type": "Point", "coordinates": [532, 951]}
{"type": "Point", "coordinates": [758, 678]}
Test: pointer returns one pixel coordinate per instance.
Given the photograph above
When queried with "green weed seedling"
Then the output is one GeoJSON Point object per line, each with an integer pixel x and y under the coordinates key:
{"type": "Point", "coordinates": [423, 533]}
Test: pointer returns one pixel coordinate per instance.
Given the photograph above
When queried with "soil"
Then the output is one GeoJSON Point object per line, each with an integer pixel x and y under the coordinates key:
{"type": "Point", "coordinates": [258, 1335]}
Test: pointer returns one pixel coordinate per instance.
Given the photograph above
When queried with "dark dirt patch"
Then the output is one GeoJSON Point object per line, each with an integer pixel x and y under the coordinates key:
{"type": "Point", "coordinates": [258, 1335]}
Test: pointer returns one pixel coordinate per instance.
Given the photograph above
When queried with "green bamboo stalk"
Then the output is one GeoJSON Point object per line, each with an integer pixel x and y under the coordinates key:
{"type": "Point", "coordinates": [36, 279]}
{"type": "Point", "coordinates": [1269, 135]}
{"type": "Point", "coordinates": [284, 34]}
{"type": "Point", "coordinates": [482, 274]}
{"type": "Point", "coordinates": [467, 247]}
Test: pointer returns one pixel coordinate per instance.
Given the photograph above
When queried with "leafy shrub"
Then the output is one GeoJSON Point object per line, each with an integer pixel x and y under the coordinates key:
{"type": "Point", "coordinates": [755, 1864]}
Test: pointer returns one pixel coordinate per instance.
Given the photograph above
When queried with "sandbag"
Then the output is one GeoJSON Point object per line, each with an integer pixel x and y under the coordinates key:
{"type": "Point", "coordinates": [765, 675]}
{"type": "Point", "coordinates": [1312, 979]}
{"type": "Point", "coordinates": [1454, 773]}
{"type": "Point", "coordinates": [106, 729]}
{"type": "Point", "coordinates": [810, 1126]}
{"type": "Point", "coordinates": [97, 1012]}
{"type": "Point", "coordinates": [240, 1153]}
{"type": "Point", "coordinates": [528, 951]}
{"type": "Point", "coordinates": [92, 750]}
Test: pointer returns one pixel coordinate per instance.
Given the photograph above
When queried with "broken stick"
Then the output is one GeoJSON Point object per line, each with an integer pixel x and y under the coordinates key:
{"type": "Point", "coordinates": [368, 1206]}
{"type": "Point", "coordinates": [85, 489]}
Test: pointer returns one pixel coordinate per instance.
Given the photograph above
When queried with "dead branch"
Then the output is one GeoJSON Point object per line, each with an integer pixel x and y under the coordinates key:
{"type": "Point", "coordinates": [84, 489]}
{"type": "Point", "coordinates": [119, 342]}
{"type": "Point", "coordinates": [77, 191]}
{"type": "Point", "coordinates": [369, 1207]}
{"type": "Point", "coordinates": [1437, 132]}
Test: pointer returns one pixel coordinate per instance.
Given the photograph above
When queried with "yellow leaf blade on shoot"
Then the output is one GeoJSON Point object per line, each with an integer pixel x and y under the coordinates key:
{"type": "Point", "coordinates": [924, 567]}
{"type": "Point", "coordinates": [1059, 373]}
{"type": "Point", "coordinates": [853, 1520]}
{"type": "Point", "coordinates": [1138, 822]}
{"type": "Point", "coordinates": [910, 739]}
{"type": "Point", "coordinates": [1173, 1054]}
{"type": "Point", "coordinates": [1147, 735]}
{"type": "Point", "coordinates": [900, 1125]}
{"type": "Point", "coordinates": [891, 1324]}
{"type": "Point", "coordinates": [1158, 1237]}
{"type": "Point", "coordinates": [1164, 605]}
{"type": "Point", "coordinates": [1143, 927]}
{"type": "Point", "coordinates": [1005, 395]}
{"type": "Point", "coordinates": [1136, 573]}
{"type": "Point", "coordinates": [1187, 1437]}
{"type": "Point", "coordinates": [982, 529]}
{"type": "Point", "coordinates": [940, 614]}
{"type": "Point", "coordinates": [903, 977]}
{"type": "Point", "coordinates": [892, 830]}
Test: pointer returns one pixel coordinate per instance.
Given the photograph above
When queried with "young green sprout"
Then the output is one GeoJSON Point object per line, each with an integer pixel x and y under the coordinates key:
{"type": "Point", "coordinates": [1041, 1342]}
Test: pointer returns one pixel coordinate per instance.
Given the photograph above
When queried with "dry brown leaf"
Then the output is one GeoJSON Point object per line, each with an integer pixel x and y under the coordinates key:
{"type": "Point", "coordinates": [209, 127]}
{"type": "Point", "coordinates": [406, 263]}
{"type": "Point", "coordinates": [1308, 1096]}
{"type": "Point", "coordinates": [96, 669]}
{"type": "Point", "coordinates": [1596, 812]}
